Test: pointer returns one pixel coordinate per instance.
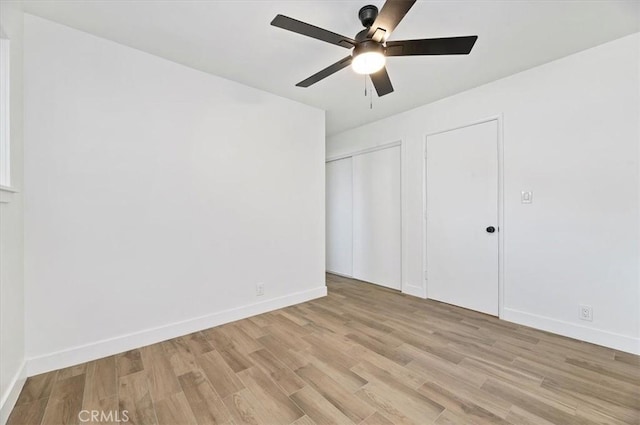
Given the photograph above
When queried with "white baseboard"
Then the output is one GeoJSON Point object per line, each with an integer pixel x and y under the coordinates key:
{"type": "Point", "coordinates": [10, 397]}
{"type": "Point", "coordinates": [107, 347]}
{"type": "Point", "coordinates": [339, 274]}
{"type": "Point", "coordinates": [584, 333]}
{"type": "Point", "coordinates": [416, 291]}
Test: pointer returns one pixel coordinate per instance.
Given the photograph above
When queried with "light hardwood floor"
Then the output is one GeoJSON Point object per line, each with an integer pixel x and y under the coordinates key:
{"type": "Point", "coordinates": [362, 355]}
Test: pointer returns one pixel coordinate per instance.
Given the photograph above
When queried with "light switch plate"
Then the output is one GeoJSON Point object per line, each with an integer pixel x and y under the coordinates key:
{"type": "Point", "coordinates": [526, 197]}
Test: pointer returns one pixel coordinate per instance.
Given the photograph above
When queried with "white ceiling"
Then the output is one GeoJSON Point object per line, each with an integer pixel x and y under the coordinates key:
{"type": "Point", "coordinates": [233, 39]}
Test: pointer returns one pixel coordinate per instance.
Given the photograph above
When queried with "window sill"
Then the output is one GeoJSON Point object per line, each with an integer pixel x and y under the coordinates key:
{"type": "Point", "coordinates": [6, 193]}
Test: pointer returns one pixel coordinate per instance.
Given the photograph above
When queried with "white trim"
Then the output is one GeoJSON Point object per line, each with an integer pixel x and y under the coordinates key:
{"type": "Point", "coordinates": [5, 113]}
{"type": "Point", "coordinates": [353, 233]}
{"type": "Point", "coordinates": [6, 194]}
{"type": "Point", "coordinates": [469, 124]}
{"type": "Point", "coordinates": [9, 189]}
{"type": "Point", "coordinates": [414, 291]}
{"type": "Point", "coordinates": [363, 151]}
{"type": "Point", "coordinates": [583, 333]}
{"type": "Point", "coordinates": [107, 347]}
{"type": "Point", "coordinates": [339, 274]}
{"type": "Point", "coordinates": [10, 397]}
{"type": "Point", "coordinates": [404, 240]}
{"type": "Point", "coordinates": [423, 274]}
{"type": "Point", "coordinates": [501, 221]}
{"type": "Point", "coordinates": [501, 228]}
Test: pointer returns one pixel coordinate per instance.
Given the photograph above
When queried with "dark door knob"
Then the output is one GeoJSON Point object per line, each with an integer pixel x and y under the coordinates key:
{"type": "Point", "coordinates": [491, 229]}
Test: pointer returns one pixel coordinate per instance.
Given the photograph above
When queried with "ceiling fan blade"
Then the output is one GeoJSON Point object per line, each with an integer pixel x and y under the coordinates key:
{"type": "Point", "coordinates": [312, 31]}
{"type": "Point", "coordinates": [388, 19]}
{"type": "Point", "coordinates": [331, 69]}
{"type": "Point", "coordinates": [432, 46]}
{"type": "Point", "coordinates": [381, 82]}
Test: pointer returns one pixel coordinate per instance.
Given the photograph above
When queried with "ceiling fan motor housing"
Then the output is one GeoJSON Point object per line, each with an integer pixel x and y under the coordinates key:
{"type": "Point", "coordinates": [362, 35]}
{"type": "Point", "coordinates": [368, 15]}
{"type": "Point", "coordinates": [368, 46]}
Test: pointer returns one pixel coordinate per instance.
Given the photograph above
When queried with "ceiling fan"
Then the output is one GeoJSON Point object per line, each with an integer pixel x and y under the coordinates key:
{"type": "Point", "coordinates": [370, 46]}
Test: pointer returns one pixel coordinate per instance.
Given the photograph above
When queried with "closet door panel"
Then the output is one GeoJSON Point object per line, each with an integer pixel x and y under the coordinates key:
{"type": "Point", "coordinates": [339, 217]}
{"type": "Point", "coordinates": [377, 217]}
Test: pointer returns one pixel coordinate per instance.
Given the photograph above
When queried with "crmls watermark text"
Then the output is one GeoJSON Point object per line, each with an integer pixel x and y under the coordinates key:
{"type": "Point", "coordinates": [97, 416]}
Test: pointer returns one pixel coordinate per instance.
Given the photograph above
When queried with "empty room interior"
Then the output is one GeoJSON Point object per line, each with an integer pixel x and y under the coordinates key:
{"type": "Point", "coordinates": [281, 212]}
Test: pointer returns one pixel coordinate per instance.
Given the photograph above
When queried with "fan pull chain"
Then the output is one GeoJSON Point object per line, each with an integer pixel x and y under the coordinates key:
{"type": "Point", "coordinates": [368, 91]}
{"type": "Point", "coordinates": [370, 99]}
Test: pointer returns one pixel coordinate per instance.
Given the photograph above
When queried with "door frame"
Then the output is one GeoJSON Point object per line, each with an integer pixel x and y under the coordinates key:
{"type": "Point", "coordinates": [404, 287]}
{"type": "Point", "coordinates": [501, 228]}
{"type": "Point", "coordinates": [363, 151]}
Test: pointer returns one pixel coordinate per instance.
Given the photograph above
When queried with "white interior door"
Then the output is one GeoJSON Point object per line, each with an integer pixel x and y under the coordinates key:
{"type": "Point", "coordinates": [462, 207]}
{"type": "Point", "coordinates": [339, 217]}
{"type": "Point", "coordinates": [377, 217]}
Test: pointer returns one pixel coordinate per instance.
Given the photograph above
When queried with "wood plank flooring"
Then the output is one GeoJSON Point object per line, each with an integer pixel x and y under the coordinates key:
{"type": "Point", "coordinates": [362, 355]}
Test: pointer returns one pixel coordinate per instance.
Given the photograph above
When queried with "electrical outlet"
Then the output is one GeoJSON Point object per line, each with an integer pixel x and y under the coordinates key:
{"type": "Point", "coordinates": [586, 312]}
{"type": "Point", "coordinates": [259, 289]}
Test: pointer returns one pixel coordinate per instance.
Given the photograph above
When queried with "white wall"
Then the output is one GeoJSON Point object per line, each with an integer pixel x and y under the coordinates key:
{"type": "Point", "coordinates": [12, 340]}
{"type": "Point", "coordinates": [157, 197]}
{"type": "Point", "coordinates": [571, 135]}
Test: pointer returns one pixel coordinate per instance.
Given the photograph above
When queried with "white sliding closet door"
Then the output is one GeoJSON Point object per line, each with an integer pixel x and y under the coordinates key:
{"type": "Point", "coordinates": [339, 217]}
{"type": "Point", "coordinates": [377, 240]}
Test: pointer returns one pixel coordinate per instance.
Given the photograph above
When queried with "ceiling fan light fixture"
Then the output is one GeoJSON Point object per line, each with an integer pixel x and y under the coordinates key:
{"type": "Point", "coordinates": [368, 62]}
{"type": "Point", "coordinates": [368, 58]}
